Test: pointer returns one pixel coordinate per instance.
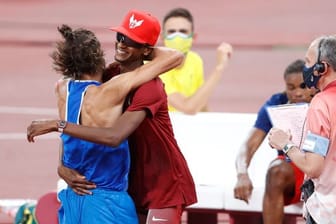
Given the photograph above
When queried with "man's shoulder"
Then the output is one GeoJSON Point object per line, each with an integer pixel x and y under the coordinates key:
{"type": "Point", "coordinates": [63, 81]}
{"type": "Point", "coordinates": [147, 94]}
{"type": "Point", "coordinates": [61, 85]}
{"type": "Point", "coordinates": [277, 99]}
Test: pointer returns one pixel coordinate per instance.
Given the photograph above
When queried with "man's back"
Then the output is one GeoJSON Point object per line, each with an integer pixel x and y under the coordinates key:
{"type": "Point", "coordinates": [90, 159]}
{"type": "Point", "coordinates": [322, 115]}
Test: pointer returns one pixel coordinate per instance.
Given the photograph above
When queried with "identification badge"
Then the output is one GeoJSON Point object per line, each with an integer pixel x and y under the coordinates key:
{"type": "Point", "coordinates": [316, 144]}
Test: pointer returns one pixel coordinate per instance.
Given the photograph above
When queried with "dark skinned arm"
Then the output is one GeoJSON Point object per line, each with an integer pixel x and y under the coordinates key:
{"type": "Point", "coordinates": [244, 186]}
{"type": "Point", "coordinates": [74, 179]}
{"type": "Point", "coordinates": [112, 136]}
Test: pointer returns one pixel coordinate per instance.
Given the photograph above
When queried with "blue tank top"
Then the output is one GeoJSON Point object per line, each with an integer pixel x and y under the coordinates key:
{"type": "Point", "coordinates": [106, 166]}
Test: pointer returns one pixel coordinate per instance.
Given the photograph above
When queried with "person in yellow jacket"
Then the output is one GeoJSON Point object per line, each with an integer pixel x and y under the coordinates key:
{"type": "Point", "coordinates": [186, 88]}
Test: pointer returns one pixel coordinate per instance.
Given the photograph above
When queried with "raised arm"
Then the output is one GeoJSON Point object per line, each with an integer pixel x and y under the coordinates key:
{"type": "Point", "coordinates": [199, 100]}
{"type": "Point", "coordinates": [112, 93]}
{"type": "Point", "coordinates": [163, 60]}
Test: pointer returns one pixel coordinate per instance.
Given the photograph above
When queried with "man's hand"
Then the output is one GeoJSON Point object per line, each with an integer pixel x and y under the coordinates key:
{"type": "Point", "coordinates": [40, 127]}
{"type": "Point", "coordinates": [279, 138]}
{"type": "Point", "coordinates": [75, 180]}
{"type": "Point", "coordinates": [243, 188]}
{"type": "Point", "coordinates": [224, 53]}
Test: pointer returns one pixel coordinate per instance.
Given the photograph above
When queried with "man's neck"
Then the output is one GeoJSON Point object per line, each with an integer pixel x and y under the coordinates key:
{"type": "Point", "coordinates": [96, 77]}
{"type": "Point", "coordinates": [126, 67]}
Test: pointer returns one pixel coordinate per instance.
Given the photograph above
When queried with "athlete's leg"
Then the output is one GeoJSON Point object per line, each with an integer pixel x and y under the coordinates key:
{"type": "Point", "coordinates": [299, 176]}
{"type": "Point", "coordinates": [280, 184]}
{"type": "Point", "coordinates": [165, 215]}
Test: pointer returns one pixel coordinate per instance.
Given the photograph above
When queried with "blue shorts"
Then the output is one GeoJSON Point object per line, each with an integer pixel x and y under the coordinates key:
{"type": "Point", "coordinates": [103, 206]}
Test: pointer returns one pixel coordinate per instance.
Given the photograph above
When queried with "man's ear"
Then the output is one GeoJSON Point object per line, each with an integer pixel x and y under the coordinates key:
{"type": "Point", "coordinates": [325, 67]}
{"type": "Point", "coordinates": [320, 68]}
{"type": "Point", "coordinates": [148, 53]}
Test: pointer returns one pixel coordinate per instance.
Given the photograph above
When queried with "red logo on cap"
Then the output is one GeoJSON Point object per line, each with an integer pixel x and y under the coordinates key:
{"type": "Point", "coordinates": [133, 23]}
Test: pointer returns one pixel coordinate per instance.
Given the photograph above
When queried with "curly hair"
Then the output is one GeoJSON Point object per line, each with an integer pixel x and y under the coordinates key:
{"type": "Point", "coordinates": [79, 53]}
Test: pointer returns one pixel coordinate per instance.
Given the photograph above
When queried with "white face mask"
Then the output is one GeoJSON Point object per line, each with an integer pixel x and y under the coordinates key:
{"type": "Point", "coordinates": [179, 41]}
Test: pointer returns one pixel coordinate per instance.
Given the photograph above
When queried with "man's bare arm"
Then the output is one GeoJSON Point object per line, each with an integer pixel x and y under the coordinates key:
{"type": "Point", "coordinates": [244, 186]}
{"type": "Point", "coordinates": [112, 136]}
{"type": "Point", "coordinates": [124, 126]}
{"type": "Point", "coordinates": [163, 60]}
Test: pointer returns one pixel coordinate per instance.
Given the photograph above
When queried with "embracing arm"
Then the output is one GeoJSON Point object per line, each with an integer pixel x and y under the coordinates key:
{"type": "Point", "coordinates": [199, 100]}
{"type": "Point", "coordinates": [73, 178]}
{"type": "Point", "coordinates": [112, 136]}
{"type": "Point", "coordinates": [163, 60]}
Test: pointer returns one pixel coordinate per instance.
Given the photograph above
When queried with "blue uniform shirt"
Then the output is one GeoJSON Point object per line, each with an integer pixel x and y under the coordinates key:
{"type": "Point", "coordinates": [263, 121]}
{"type": "Point", "coordinates": [107, 167]}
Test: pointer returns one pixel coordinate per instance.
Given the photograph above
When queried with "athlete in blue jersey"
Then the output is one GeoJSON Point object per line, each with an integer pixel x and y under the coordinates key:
{"type": "Point", "coordinates": [283, 178]}
{"type": "Point", "coordinates": [84, 99]}
{"type": "Point", "coordinates": [106, 166]}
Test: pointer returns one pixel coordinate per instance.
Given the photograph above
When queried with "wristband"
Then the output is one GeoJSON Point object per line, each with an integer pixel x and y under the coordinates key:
{"type": "Point", "coordinates": [288, 147]}
{"type": "Point", "coordinates": [61, 125]}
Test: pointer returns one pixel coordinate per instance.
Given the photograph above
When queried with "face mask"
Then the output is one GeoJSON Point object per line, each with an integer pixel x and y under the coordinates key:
{"type": "Point", "coordinates": [309, 78]}
{"type": "Point", "coordinates": [179, 41]}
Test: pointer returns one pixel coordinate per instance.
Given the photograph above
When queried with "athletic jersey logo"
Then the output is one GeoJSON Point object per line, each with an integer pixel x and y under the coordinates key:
{"type": "Point", "coordinates": [133, 23]}
{"type": "Point", "coordinates": [158, 219]}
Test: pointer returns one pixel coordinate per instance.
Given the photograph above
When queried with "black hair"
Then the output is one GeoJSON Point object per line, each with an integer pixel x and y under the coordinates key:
{"type": "Point", "coordinates": [294, 67]}
{"type": "Point", "coordinates": [179, 12]}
